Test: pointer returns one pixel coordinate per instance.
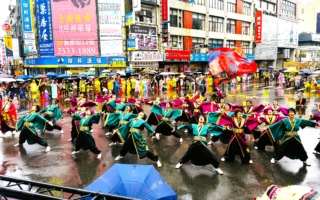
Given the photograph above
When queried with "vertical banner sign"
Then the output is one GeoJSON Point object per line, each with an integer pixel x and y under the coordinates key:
{"type": "Point", "coordinates": [136, 5]}
{"type": "Point", "coordinates": [4, 60]}
{"type": "Point", "coordinates": [318, 24]}
{"type": "Point", "coordinates": [8, 45]}
{"type": "Point", "coordinates": [16, 51]}
{"type": "Point", "coordinates": [258, 27]}
{"type": "Point", "coordinates": [110, 22]}
{"type": "Point", "coordinates": [44, 24]}
{"type": "Point", "coordinates": [27, 27]}
{"type": "Point", "coordinates": [165, 32]}
{"type": "Point", "coordinates": [165, 10]}
{"type": "Point", "coordinates": [74, 28]}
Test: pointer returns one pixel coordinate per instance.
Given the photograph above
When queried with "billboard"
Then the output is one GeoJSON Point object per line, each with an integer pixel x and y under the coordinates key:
{"type": "Point", "coordinates": [8, 45]}
{"type": "Point", "coordinates": [74, 28]}
{"type": "Point", "coordinates": [146, 36]}
{"type": "Point", "coordinates": [110, 22]}
{"type": "Point", "coordinates": [16, 51]}
{"type": "Point", "coordinates": [44, 24]}
{"type": "Point", "coordinates": [136, 5]}
{"type": "Point", "coordinates": [130, 18]}
{"type": "Point", "coordinates": [27, 27]}
{"type": "Point", "coordinates": [165, 10]}
{"type": "Point", "coordinates": [287, 34]}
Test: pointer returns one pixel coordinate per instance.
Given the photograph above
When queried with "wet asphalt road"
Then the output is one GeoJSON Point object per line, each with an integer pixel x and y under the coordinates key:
{"type": "Point", "coordinates": [190, 182]}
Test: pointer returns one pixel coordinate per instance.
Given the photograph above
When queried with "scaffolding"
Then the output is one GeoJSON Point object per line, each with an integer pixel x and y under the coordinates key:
{"type": "Point", "coordinates": [11, 187]}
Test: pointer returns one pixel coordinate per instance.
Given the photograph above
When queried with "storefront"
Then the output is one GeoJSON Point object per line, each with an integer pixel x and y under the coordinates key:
{"type": "Point", "coordinates": [144, 61]}
{"type": "Point", "coordinates": [74, 65]}
{"type": "Point", "coordinates": [175, 61]}
{"type": "Point", "coordinates": [199, 62]}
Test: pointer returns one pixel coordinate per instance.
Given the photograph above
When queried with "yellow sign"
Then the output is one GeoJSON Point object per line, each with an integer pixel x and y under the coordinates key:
{"type": "Point", "coordinates": [8, 44]}
{"type": "Point", "coordinates": [303, 65]}
{"type": "Point", "coordinates": [77, 70]}
{"type": "Point", "coordinates": [287, 65]}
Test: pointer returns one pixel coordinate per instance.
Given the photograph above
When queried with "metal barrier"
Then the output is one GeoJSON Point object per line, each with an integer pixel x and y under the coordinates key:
{"type": "Point", "coordinates": [25, 189]}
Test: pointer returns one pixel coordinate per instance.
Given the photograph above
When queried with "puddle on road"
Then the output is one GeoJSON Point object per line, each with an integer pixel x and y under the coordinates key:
{"type": "Point", "coordinates": [9, 168]}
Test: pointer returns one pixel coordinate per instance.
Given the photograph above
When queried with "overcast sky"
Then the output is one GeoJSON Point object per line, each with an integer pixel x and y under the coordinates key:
{"type": "Point", "coordinates": [4, 12]}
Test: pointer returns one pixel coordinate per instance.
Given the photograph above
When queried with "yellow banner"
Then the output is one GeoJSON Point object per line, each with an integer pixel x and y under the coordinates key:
{"type": "Point", "coordinates": [77, 70]}
{"type": "Point", "coordinates": [303, 65]}
{"type": "Point", "coordinates": [8, 44]}
{"type": "Point", "coordinates": [287, 65]}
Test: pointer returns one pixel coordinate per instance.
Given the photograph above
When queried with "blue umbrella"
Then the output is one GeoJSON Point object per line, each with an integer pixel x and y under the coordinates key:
{"type": "Point", "coordinates": [23, 77]}
{"type": "Point", "coordinates": [113, 74]}
{"type": "Point", "coordinates": [63, 76]}
{"type": "Point", "coordinates": [82, 75]}
{"type": "Point", "coordinates": [51, 74]}
{"type": "Point", "coordinates": [135, 181]}
{"type": "Point", "coordinates": [89, 73]}
{"type": "Point", "coordinates": [130, 71]}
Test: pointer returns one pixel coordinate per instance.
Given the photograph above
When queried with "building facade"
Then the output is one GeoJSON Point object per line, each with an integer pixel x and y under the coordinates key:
{"type": "Point", "coordinates": [309, 17]}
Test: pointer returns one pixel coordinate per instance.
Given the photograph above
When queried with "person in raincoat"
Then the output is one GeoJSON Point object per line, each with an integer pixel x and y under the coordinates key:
{"type": "Point", "coordinates": [8, 116]}
{"type": "Point", "coordinates": [82, 85]}
{"type": "Point", "coordinates": [131, 135]}
{"type": "Point", "coordinates": [116, 87]}
{"type": "Point", "coordinates": [97, 85]}
{"type": "Point", "coordinates": [85, 139]}
{"type": "Point", "coordinates": [34, 89]}
{"type": "Point", "coordinates": [110, 85]}
{"type": "Point", "coordinates": [28, 125]}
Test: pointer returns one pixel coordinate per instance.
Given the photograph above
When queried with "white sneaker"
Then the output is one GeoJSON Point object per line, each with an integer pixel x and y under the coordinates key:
{"type": "Point", "coordinates": [219, 171]}
{"type": "Point", "coordinates": [256, 147]}
{"type": "Point", "coordinates": [186, 131]}
{"type": "Point", "coordinates": [159, 164]}
{"type": "Point", "coordinates": [250, 162]}
{"type": "Point", "coordinates": [118, 157]}
{"type": "Point", "coordinates": [48, 149]}
{"type": "Point", "coordinates": [109, 133]}
{"type": "Point", "coordinates": [16, 145]}
{"type": "Point", "coordinates": [181, 140]}
{"type": "Point", "coordinates": [153, 137]}
{"type": "Point", "coordinates": [272, 161]}
{"type": "Point", "coordinates": [70, 140]}
{"type": "Point", "coordinates": [178, 166]}
{"type": "Point", "coordinates": [13, 132]}
{"type": "Point", "coordinates": [223, 159]}
{"type": "Point", "coordinates": [61, 131]}
{"type": "Point", "coordinates": [112, 144]}
{"type": "Point", "coordinates": [158, 136]}
{"type": "Point", "coordinates": [99, 156]}
{"type": "Point", "coordinates": [210, 142]}
{"type": "Point", "coordinates": [314, 152]}
{"type": "Point", "coordinates": [74, 152]}
{"type": "Point", "coordinates": [306, 163]}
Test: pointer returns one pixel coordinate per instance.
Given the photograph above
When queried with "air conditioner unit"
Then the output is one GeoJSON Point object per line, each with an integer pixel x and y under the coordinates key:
{"type": "Point", "coordinates": [147, 20]}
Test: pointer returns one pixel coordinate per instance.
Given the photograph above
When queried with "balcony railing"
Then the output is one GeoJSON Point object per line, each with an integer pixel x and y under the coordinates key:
{"type": "Point", "coordinates": [149, 2]}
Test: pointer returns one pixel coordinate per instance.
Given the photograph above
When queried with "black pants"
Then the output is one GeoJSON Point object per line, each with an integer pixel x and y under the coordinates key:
{"type": "Point", "coordinates": [115, 138]}
{"type": "Point", "coordinates": [266, 81]}
{"type": "Point", "coordinates": [176, 134]}
{"type": "Point", "coordinates": [32, 138]}
{"type": "Point", "coordinates": [234, 149]}
{"type": "Point", "coordinates": [200, 154]}
{"type": "Point", "coordinates": [74, 130]}
{"type": "Point", "coordinates": [128, 146]}
{"type": "Point", "coordinates": [55, 125]}
{"type": "Point", "coordinates": [111, 128]}
{"type": "Point", "coordinates": [86, 141]}
{"type": "Point", "coordinates": [317, 149]}
{"type": "Point", "coordinates": [291, 146]}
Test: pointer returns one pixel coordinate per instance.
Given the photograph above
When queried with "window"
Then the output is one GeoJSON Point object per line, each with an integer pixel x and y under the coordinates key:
{"type": "Point", "coordinates": [215, 43]}
{"type": "Point", "coordinates": [144, 16]}
{"type": "Point", "coordinates": [197, 21]}
{"type": "Point", "coordinates": [216, 4]}
{"type": "Point", "coordinates": [175, 41]}
{"type": "Point", "coordinates": [288, 8]}
{"type": "Point", "coordinates": [231, 7]}
{"type": "Point", "coordinates": [197, 41]}
{"type": "Point", "coordinates": [231, 26]}
{"type": "Point", "coordinates": [176, 18]}
{"type": "Point", "coordinates": [245, 28]}
{"type": "Point", "coordinates": [271, 7]}
{"type": "Point", "coordinates": [246, 8]}
{"type": "Point", "coordinates": [199, 2]}
{"type": "Point", "coordinates": [230, 44]}
{"type": "Point", "coordinates": [216, 24]}
{"type": "Point", "coordinates": [246, 47]}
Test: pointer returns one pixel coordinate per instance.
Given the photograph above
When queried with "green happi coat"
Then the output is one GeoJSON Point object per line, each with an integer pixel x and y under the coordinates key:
{"type": "Point", "coordinates": [214, 117]}
{"type": "Point", "coordinates": [166, 114]}
{"type": "Point", "coordinates": [53, 111]}
{"type": "Point", "coordinates": [115, 119]}
{"type": "Point", "coordinates": [134, 128]}
{"type": "Point", "coordinates": [283, 130]}
{"type": "Point", "coordinates": [117, 107]}
{"type": "Point", "coordinates": [32, 121]}
{"type": "Point", "coordinates": [86, 122]}
{"type": "Point", "coordinates": [200, 134]}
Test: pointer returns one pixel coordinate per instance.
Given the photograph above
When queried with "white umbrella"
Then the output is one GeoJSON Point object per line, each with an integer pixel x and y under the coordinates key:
{"type": "Point", "coordinates": [105, 71]}
{"type": "Point", "coordinates": [7, 80]}
{"type": "Point", "coordinates": [20, 80]}
{"type": "Point", "coordinates": [316, 72]}
{"type": "Point", "coordinates": [121, 73]}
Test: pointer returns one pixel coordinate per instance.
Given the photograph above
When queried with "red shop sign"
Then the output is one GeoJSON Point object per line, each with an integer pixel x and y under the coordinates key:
{"type": "Point", "coordinates": [165, 9]}
{"type": "Point", "coordinates": [258, 27]}
{"type": "Point", "coordinates": [177, 55]}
